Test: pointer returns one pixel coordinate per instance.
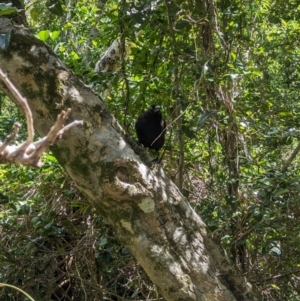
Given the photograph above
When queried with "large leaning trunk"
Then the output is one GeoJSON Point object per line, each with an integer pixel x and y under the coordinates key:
{"type": "Point", "coordinates": [148, 213]}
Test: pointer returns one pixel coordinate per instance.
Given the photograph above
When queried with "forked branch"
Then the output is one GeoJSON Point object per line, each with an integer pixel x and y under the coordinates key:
{"type": "Point", "coordinates": [29, 152]}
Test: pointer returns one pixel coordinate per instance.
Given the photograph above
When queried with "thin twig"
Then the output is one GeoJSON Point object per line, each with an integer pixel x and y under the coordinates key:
{"type": "Point", "coordinates": [16, 288]}
{"type": "Point", "coordinates": [168, 126]}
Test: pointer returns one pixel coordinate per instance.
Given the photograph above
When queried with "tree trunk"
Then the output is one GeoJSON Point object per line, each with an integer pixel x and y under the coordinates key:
{"type": "Point", "coordinates": [147, 211]}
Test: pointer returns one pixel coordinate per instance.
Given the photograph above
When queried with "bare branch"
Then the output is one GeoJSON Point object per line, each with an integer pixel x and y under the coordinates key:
{"type": "Point", "coordinates": [29, 152]}
{"type": "Point", "coordinates": [55, 132]}
{"type": "Point", "coordinates": [24, 105]}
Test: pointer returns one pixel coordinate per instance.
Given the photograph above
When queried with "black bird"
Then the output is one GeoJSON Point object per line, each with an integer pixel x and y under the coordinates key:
{"type": "Point", "coordinates": [150, 128]}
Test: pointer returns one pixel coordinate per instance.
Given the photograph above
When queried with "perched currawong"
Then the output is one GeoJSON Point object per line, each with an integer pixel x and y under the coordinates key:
{"type": "Point", "coordinates": [150, 128]}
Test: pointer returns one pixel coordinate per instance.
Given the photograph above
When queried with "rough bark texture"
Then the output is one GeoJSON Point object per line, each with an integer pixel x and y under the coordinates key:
{"type": "Point", "coordinates": [147, 211]}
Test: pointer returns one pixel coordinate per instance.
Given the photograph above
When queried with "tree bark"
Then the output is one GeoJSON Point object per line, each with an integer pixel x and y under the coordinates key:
{"type": "Point", "coordinates": [147, 211]}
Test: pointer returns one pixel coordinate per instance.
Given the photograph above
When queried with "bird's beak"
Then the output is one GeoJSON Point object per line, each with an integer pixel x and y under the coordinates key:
{"type": "Point", "coordinates": [157, 108]}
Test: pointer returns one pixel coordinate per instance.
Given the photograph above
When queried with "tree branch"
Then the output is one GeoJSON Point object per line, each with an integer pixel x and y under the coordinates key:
{"type": "Point", "coordinates": [29, 152]}
{"type": "Point", "coordinates": [24, 105]}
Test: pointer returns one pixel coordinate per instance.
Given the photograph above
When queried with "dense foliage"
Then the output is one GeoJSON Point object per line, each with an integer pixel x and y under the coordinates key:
{"type": "Point", "coordinates": [227, 76]}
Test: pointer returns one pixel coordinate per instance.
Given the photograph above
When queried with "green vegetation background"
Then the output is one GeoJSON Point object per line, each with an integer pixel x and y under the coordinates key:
{"type": "Point", "coordinates": [232, 79]}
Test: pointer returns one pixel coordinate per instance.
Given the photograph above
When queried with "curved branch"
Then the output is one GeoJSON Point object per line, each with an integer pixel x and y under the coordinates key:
{"type": "Point", "coordinates": [24, 105]}
{"type": "Point", "coordinates": [29, 152]}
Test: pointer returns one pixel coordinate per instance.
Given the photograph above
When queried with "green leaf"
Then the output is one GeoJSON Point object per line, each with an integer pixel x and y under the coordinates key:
{"type": "Point", "coordinates": [281, 191]}
{"type": "Point", "coordinates": [35, 219]}
{"type": "Point", "coordinates": [103, 241]}
{"type": "Point", "coordinates": [48, 227]}
{"type": "Point", "coordinates": [7, 9]}
{"type": "Point", "coordinates": [75, 55]}
{"type": "Point", "coordinates": [54, 35]}
{"type": "Point", "coordinates": [43, 35]}
{"type": "Point", "coordinates": [233, 56]}
{"type": "Point", "coordinates": [183, 25]}
{"type": "Point", "coordinates": [55, 8]}
{"type": "Point", "coordinates": [23, 209]}
{"type": "Point", "coordinates": [285, 113]}
{"type": "Point", "coordinates": [34, 14]}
